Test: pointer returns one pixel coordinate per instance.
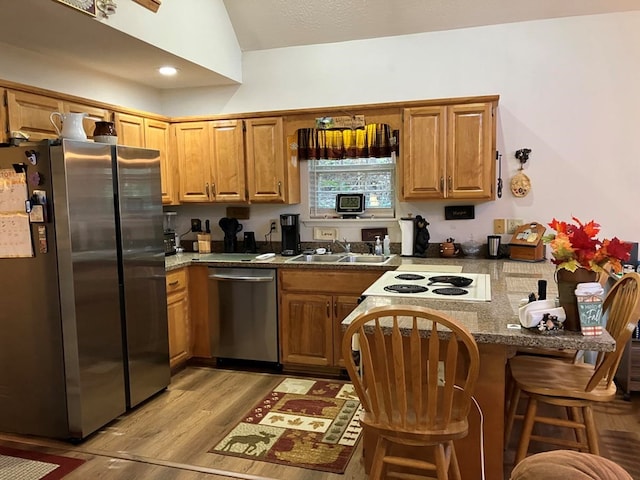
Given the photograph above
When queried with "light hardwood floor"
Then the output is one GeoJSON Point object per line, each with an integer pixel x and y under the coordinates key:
{"type": "Point", "coordinates": [168, 437]}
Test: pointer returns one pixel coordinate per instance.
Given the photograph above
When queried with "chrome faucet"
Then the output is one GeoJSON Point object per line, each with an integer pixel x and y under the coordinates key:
{"type": "Point", "coordinates": [345, 246]}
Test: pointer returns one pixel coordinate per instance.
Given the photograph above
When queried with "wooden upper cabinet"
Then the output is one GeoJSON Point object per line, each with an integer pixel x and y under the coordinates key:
{"type": "Point", "coordinates": [156, 136]}
{"type": "Point", "coordinates": [30, 113]}
{"type": "Point", "coordinates": [448, 152]}
{"type": "Point", "coordinates": [95, 114]}
{"type": "Point", "coordinates": [227, 162]}
{"type": "Point", "coordinates": [423, 165]}
{"type": "Point", "coordinates": [130, 130]}
{"type": "Point", "coordinates": [470, 151]}
{"type": "Point", "coordinates": [193, 150]}
{"type": "Point", "coordinates": [265, 160]}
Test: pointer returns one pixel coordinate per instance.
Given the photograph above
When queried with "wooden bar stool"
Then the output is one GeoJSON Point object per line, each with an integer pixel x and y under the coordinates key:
{"type": "Point", "coordinates": [576, 387]}
{"type": "Point", "coordinates": [417, 373]}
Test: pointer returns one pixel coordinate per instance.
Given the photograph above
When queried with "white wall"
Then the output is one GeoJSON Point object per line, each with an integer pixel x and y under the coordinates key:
{"type": "Point", "coordinates": [197, 30]}
{"type": "Point", "coordinates": [568, 91]}
{"type": "Point", "coordinates": [31, 68]}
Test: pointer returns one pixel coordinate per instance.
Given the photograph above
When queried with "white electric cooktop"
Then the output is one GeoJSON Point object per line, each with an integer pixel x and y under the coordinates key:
{"type": "Point", "coordinates": [463, 287]}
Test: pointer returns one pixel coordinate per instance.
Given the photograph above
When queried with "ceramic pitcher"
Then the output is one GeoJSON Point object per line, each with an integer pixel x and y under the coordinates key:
{"type": "Point", "coordinates": [71, 125]}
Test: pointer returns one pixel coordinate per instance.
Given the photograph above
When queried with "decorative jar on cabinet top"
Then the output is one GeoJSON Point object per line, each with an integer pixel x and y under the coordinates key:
{"type": "Point", "coordinates": [105, 132]}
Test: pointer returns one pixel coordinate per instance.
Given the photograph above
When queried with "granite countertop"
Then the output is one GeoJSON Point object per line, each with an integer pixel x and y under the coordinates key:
{"type": "Point", "coordinates": [185, 259]}
{"type": "Point", "coordinates": [510, 282]}
{"type": "Point", "coordinates": [488, 321]}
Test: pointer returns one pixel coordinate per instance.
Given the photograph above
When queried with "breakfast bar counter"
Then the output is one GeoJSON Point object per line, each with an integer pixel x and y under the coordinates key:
{"type": "Point", "coordinates": [494, 326]}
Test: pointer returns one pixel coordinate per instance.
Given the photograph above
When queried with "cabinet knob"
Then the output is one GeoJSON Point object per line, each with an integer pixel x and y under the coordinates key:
{"type": "Point", "coordinates": [206, 189]}
{"type": "Point", "coordinates": [441, 183]}
{"type": "Point", "coordinates": [450, 182]}
{"type": "Point", "coordinates": [328, 309]}
{"type": "Point", "coordinates": [279, 188]}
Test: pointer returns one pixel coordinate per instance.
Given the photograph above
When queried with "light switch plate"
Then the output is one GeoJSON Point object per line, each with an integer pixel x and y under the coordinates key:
{"type": "Point", "coordinates": [325, 233]}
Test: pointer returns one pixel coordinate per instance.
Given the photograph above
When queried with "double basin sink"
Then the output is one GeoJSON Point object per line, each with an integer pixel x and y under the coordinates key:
{"type": "Point", "coordinates": [342, 258]}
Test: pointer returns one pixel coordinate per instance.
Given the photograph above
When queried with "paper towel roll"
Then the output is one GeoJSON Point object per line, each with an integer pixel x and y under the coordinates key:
{"type": "Point", "coordinates": [407, 226]}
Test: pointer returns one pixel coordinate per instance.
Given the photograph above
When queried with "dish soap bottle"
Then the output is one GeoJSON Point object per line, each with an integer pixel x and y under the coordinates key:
{"type": "Point", "coordinates": [378, 247]}
{"type": "Point", "coordinates": [386, 245]}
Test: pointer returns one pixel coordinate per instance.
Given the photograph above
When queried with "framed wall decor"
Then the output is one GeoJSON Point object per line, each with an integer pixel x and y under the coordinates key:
{"type": "Point", "coordinates": [85, 6]}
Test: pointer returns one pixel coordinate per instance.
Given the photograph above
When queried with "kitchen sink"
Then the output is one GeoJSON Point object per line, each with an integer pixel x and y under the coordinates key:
{"type": "Point", "coordinates": [317, 258]}
{"type": "Point", "coordinates": [365, 259]}
{"type": "Point", "coordinates": [342, 258]}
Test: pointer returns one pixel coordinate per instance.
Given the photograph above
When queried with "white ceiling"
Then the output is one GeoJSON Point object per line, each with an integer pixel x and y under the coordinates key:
{"type": "Point", "coordinates": [67, 36]}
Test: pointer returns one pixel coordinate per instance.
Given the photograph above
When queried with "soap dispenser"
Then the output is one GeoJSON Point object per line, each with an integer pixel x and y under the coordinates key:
{"type": "Point", "coordinates": [386, 245]}
{"type": "Point", "coordinates": [378, 246]}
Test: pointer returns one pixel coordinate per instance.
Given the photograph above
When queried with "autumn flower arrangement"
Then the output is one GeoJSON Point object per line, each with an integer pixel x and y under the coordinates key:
{"type": "Point", "coordinates": [574, 245]}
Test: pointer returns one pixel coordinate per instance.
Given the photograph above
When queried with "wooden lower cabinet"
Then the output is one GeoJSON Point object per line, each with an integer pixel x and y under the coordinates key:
{"type": "Point", "coordinates": [313, 304]}
{"type": "Point", "coordinates": [178, 317]}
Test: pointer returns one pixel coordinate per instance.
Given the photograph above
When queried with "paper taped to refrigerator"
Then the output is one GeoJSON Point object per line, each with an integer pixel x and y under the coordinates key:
{"type": "Point", "coordinates": [15, 230]}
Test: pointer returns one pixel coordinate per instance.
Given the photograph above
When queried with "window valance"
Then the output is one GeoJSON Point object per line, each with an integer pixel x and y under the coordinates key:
{"type": "Point", "coordinates": [374, 140]}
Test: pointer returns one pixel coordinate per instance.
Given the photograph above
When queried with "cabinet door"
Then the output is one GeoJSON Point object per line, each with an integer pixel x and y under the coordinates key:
{"type": "Point", "coordinates": [156, 135]}
{"type": "Point", "coordinates": [178, 317]}
{"type": "Point", "coordinates": [31, 113]}
{"type": "Point", "coordinates": [130, 130]}
{"type": "Point", "coordinates": [423, 159]}
{"type": "Point", "coordinates": [343, 305]}
{"type": "Point", "coordinates": [306, 330]}
{"type": "Point", "coordinates": [470, 160]}
{"type": "Point", "coordinates": [227, 162]}
{"type": "Point", "coordinates": [193, 149]}
{"type": "Point", "coordinates": [95, 113]}
{"type": "Point", "coordinates": [265, 160]}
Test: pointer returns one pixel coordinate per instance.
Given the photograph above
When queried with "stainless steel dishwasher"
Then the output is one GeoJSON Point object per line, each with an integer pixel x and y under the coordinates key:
{"type": "Point", "coordinates": [243, 314]}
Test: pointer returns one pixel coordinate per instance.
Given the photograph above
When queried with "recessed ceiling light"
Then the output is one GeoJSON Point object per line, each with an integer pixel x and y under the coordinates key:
{"type": "Point", "coordinates": [168, 71]}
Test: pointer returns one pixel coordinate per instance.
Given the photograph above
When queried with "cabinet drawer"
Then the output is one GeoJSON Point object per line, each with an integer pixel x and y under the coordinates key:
{"type": "Point", "coordinates": [341, 282]}
{"type": "Point", "coordinates": [176, 280]}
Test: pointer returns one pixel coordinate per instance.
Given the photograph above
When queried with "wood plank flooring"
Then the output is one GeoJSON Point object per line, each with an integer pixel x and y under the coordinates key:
{"type": "Point", "coordinates": [168, 437]}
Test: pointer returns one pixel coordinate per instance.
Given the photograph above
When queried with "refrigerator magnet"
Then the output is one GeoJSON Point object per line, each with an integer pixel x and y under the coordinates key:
{"type": "Point", "coordinates": [36, 215]}
{"type": "Point", "coordinates": [42, 239]}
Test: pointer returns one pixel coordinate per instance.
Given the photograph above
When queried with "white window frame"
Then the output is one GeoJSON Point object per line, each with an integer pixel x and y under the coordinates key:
{"type": "Point", "coordinates": [317, 167]}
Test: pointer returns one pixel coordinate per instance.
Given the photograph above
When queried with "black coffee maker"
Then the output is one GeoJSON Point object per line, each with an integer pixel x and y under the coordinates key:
{"type": "Point", "coordinates": [290, 225]}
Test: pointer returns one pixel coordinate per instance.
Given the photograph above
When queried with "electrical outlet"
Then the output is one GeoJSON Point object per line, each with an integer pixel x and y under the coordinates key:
{"type": "Point", "coordinates": [513, 224]}
{"type": "Point", "coordinates": [325, 233]}
{"type": "Point", "coordinates": [499, 226]}
{"type": "Point", "coordinates": [274, 226]}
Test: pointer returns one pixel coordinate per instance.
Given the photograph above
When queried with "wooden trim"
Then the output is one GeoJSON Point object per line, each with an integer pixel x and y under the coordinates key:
{"type": "Point", "coordinates": [75, 99]}
{"type": "Point", "coordinates": [378, 112]}
{"type": "Point", "coordinates": [152, 5]}
{"type": "Point", "coordinates": [344, 109]}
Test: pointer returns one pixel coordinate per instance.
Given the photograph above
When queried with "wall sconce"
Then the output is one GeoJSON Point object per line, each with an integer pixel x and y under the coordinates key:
{"type": "Point", "coordinates": [106, 7]}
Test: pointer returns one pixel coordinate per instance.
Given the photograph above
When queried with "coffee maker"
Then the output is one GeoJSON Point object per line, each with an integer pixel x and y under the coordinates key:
{"type": "Point", "coordinates": [290, 225]}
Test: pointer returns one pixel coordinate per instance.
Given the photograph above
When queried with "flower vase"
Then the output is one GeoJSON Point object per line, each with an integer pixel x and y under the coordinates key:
{"type": "Point", "coordinates": [567, 282]}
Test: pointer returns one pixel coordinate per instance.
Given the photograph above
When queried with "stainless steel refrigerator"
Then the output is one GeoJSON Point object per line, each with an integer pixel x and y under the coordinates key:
{"type": "Point", "coordinates": [83, 319]}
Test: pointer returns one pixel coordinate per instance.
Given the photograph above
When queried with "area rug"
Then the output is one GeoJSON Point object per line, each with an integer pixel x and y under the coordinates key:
{"type": "Point", "coordinates": [301, 423]}
{"type": "Point", "coordinates": [16, 464]}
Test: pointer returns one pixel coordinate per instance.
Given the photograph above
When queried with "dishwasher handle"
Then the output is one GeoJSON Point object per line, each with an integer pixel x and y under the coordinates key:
{"type": "Point", "coordinates": [240, 278]}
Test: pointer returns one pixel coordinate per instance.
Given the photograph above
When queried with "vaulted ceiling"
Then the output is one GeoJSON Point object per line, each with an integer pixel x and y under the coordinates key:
{"type": "Point", "coordinates": [64, 34]}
